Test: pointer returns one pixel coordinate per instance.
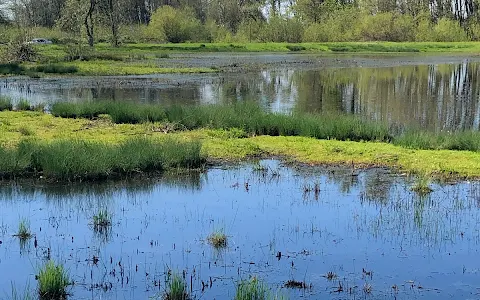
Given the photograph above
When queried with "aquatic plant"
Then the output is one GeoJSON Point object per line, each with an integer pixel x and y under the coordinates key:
{"type": "Point", "coordinates": [330, 275]}
{"type": "Point", "coordinates": [15, 295]}
{"type": "Point", "coordinates": [23, 105]}
{"type": "Point", "coordinates": [422, 186]}
{"type": "Point", "coordinates": [52, 281]}
{"type": "Point", "coordinates": [5, 103]}
{"type": "Point", "coordinates": [76, 159]}
{"type": "Point", "coordinates": [218, 239]}
{"type": "Point", "coordinates": [176, 288]}
{"type": "Point", "coordinates": [254, 289]}
{"type": "Point", "coordinates": [102, 219]}
{"type": "Point", "coordinates": [246, 116]}
{"type": "Point", "coordinates": [23, 232]}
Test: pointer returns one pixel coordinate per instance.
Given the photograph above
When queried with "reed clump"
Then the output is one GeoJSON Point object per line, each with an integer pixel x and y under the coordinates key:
{"type": "Point", "coordinates": [85, 160]}
{"type": "Point", "coordinates": [246, 116]}
{"type": "Point", "coordinates": [52, 281]}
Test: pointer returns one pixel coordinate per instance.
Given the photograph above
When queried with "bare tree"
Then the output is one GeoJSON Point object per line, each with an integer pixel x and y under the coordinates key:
{"type": "Point", "coordinates": [89, 25]}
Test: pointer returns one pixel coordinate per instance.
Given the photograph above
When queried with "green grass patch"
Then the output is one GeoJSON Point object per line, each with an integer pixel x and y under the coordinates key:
{"type": "Point", "coordinates": [84, 160]}
{"type": "Point", "coordinates": [176, 287]}
{"type": "Point", "coordinates": [254, 289]}
{"type": "Point", "coordinates": [5, 103]}
{"type": "Point", "coordinates": [11, 69]}
{"type": "Point", "coordinates": [102, 219]}
{"type": "Point", "coordinates": [52, 281]}
{"type": "Point", "coordinates": [422, 186]}
{"type": "Point", "coordinates": [55, 69]}
{"type": "Point", "coordinates": [24, 105]}
{"type": "Point", "coordinates": [227, 145]}
{"type": "Point", "coordinates": [23, 232]}
{"type": "Point", "coordinates": [244, 116]}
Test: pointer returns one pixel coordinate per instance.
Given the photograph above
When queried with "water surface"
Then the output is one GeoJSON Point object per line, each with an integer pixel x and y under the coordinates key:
{"type": "Point", "coordinates": [369, 229]}
{"type": "Point", "coordinates": [433, 92]}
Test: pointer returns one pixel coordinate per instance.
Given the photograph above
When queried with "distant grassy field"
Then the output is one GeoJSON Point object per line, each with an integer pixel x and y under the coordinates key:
{"type": "Point", "coordinates": [234, 144]}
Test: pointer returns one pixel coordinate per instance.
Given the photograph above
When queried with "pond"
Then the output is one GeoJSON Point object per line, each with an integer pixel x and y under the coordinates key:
{"type": "Point", "coordinates": [435, 92]}
{"type": "Point", "coordinates": [366, 229]}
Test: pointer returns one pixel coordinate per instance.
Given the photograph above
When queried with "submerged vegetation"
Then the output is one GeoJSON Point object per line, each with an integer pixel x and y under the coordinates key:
{"type": "Point", "coordinates": [52, 281]}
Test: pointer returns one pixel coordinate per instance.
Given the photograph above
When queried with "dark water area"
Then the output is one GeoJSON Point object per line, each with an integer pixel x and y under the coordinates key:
{"type": "Point", "coordinates": [370, 230]}
{"type": "Point", "coordinates": [436, 93]}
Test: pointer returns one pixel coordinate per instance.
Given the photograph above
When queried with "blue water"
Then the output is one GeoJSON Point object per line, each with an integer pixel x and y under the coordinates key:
{"type": "Point", "coordinates": [371, 230]}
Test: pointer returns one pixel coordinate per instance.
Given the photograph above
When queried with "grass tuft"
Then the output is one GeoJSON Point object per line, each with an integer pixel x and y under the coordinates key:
{"type": "Point", "coordinates": [24, 105]}
{"type": "Point", "coordinates": [176, 288]}
{"type": "Point", "coordinates": [87, 160]}
{"type": "Point", "coordinates": [102, 219]}
{"type": "Point", "coordinates": [422, 186]}
{"type": "Point", "coordinates": [5, 103]}
{"type": "Point", "coordinates": [52, 281]}
{"type": "Point", "coordinates": [218, 239]}
{"type": "Point", "coordinates": [23, 232]}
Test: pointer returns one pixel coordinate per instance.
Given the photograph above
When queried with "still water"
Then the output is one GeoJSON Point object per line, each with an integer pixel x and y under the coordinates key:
{"type": "Point", "coordinates": [369, 230]}
{"type": "Point", "coordinates": [436, 93]}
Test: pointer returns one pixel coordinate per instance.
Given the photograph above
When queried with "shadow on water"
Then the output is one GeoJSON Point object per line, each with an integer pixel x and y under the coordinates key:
{"type": "Point", "coordinates": [311, 232]}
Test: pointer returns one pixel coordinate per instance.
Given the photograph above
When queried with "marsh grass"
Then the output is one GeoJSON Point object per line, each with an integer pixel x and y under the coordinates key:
{"type": "Point", "coordinates": [16, 295]}
{"type": "Point", "coordinates": [176, 288]}
{"type": "Point", "coordinates": [422, 186]}
{"type": "Point", "coordinates": [417, 139]}
{"type": "Point", "coordinates": [251, 119]}
{"type": "Point", "coordinates": [248, 117]}
{"type": "Point", "coordinates": [11, 69]}
{"type": "Point", "coordinates": [218, 239]}
{"type": "Point", "coordinates": [87, 160]}
{"type": "Point", "coordinates": [5, 103]}
{"type": "Point", "coordinates": [102, 219]}
{"type": "Point", "coordinates": [24, 105]}
{"type": "Point", "coordinates": [254, 289]}
{"type": "Point", "coordinates": [23, 232]}
{"type": "Point", "coordinates": [55, 69]}
{"type": "Point", "coordinates": [52, 281]}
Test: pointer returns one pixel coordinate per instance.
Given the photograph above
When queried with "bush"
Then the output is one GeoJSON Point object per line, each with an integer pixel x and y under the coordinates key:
{"type": "Point", "coordinates": [339, 27]}
{"type": "Point", "coordinates": [18, 51]}
{"type": "Point", "coordinates": [282, 29]}
{"type": "Point", "coordinates": [447, 30]}
{"type": "Point", "coordinates": [176, 26]}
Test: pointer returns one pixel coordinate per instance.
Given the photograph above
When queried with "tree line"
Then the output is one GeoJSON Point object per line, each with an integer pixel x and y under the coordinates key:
{"type": "Point", "coordinates": [249, 20]}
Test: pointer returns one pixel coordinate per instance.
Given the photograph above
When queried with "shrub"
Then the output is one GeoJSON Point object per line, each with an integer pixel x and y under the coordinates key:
{"type": "Point", "coordinates": [19, 51]}
{"type": "Point", "coordinates": [447, 30]}
{"type": "Point", "coordinates": [282, 29]}
{"type": "Point", "coordinates": [175, 25]}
